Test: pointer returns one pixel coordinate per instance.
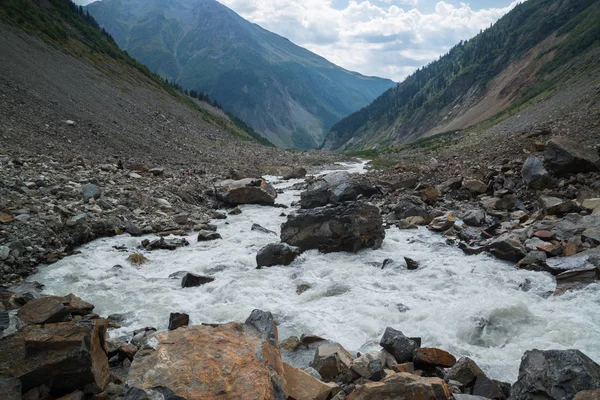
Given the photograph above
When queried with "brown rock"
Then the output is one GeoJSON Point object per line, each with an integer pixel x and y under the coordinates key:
{"type": "Point", "coordinates": [290, 344]}
{"type": "Point", "coordinates": [442, 223]}
{"type": "Point", "coordinates": [331, 359]}
{"type": "Point", "coordinates": [475, 186]}
{"type": "Point", "coordinates": [301, 386]}
{"type": "Point", "coordinates": [66, 357]}
{"type": "Point", "coordinates": [545, 235]}
{"type": "Point", "coordinates": [6, 218]}
{"type": "Point", "coordinates": [432, 357]}
{"type": "Point", "coordinates": [588, 395]}
{"type": "Point", "coordinates": [308, 339]}
{"type": "Point", "coordinates": [430, 195]}
{"type": "Point", "coordinates": [405, 367]}
{"type": "Point", "coordinates": [43, 311]}
{"type": "Point", "coordinates": [246, 191]}
{"type": "Point", "coordinates": [75, 305]}
{"type": "Point", "coordinates": [570, 249]}
{"type": "Point", "coordinates": [228, 361]}
{"type": "Point", "coordinates": [403, 386]}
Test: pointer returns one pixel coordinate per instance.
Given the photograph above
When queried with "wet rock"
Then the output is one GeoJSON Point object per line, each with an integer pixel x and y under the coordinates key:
{"type": "Point", "coordinates": [90, 191]}
{"type": "Point", "coordinates": [576, 279]}
{"type": "Point", "coordinates": [563, 155]}
{"type": "Point", "coordinates": [308, 339]}
{"type": "Point", "coordinates": [474, 217]}
{"type": "Point", "coordinates": [317, 195]}
{"type": "Point", "coordinates": [410, 264]}
{"type": "Point", "coordinates": [66, 357]}
{"type": "Point", "coordinates": [464, 371]}
{"type": "Point", "coordinates": [300, 385]}
{"type": "Point", "coordinates": [534, 261]}
{"type": "Point", "coordinates": [137, 259]}
{"type": "Point", "coordinates": [193, 280]}
{"type": "Point", "coordinates": [294, 173]}
{"type": "Point", "coordinates": [347, 227]}
{"type": "Point", "coordinates": [442, 223]}
{"type": "Point", "coordinates": [246, 191]}
{"type": "Point", "coordinates": [506, 202]}
{"type": "Point", "coordinates": [555, 374]}
{"type": "Point", "coordinates": [400, 346]}
{"type": "Point", "coordinates": [508, 247]}
{"type": "Point", "coordinates": [331, 360]}
{"type": "Point", "coordinates": [276, 254]}
{"type": "Point", "coordinates": [44, 310]}
{"type": "Point", "coordinates": [258, 228]}
{"type": "Point", "coordinates": [205, 357]}
{"type": "Point", "coordinates": [535, 175]}
{"type": "Point", "coordinates": [303, 287]}
{"type": "Point", "coordinates": [475, 186]}
{"type": "Point", "coordinates": [402, 386]}
{"type": "Point", "coordinates": [487, 388]}
{"type": "Point", "coordinates": [206, 236]}
{"type": "Point", "coordinates": [177, 320]}
{"type": "Point", "coordinates": [582, 261]}
{"type": "Point", "coordinates": [426, 357]}
{"type": "Point", "coordinates": [164, 244]}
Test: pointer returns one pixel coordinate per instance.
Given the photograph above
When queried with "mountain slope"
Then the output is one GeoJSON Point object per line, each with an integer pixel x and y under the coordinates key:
{"type": "Point", "coordinates": [287, 93]}
{"type": "Point", "coordinates": [56, 65]}
{"type": "Point", "coordinates": [533, 50]}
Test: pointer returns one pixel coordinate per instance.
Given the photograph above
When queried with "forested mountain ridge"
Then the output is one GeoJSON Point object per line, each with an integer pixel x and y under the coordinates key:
{"type": "Point", "coordinates": [529, 51]}
{"type": "Point", "coordinates": [283, 91]}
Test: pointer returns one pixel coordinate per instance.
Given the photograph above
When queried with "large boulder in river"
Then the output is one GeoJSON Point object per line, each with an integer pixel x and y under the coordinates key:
{"type": "Point", "coordinates": [294, 173]}
{"type": "Point", "coordinates": [317, 195]}
{"type": "Point", "coordinates": [231, 361]}
{"type": "Point", "coordinates": [66, 357]}
{"type": "Point", "coordinates": [534, 174]}
{"type": "Point", "coordinates": [566, 156]}
{"type": "Point", "coordinates": [555, 374]}
{"type": "Point", "coordinates": [401, 347]}
{"type": "Point", "coordinates": [508, 247]}
{"type": "Point", "coordinates": [246, 191]}
{"type": "Point", "coordinates": [276, 254]}
{"type": "Point", "coordinates": [348, 227]}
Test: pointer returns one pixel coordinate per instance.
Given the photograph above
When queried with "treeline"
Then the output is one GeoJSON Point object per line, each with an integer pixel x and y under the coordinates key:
{"type": "Point", "coordinates": [479, 60]}
{"type": "Point", "coordinates": [62, 20]}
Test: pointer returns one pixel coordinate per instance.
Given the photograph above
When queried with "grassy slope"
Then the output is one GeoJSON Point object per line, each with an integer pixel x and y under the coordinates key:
{"type": "Point", "coordinates": [68, 27]}
{"type": "Point", "coordinates": [409, 110]}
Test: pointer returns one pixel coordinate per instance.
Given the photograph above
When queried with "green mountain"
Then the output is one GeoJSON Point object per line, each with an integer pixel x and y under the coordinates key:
{"type": "Point", "coordinates": [533, 51]}
{"type": "Point", "coordinates": [283, 91]}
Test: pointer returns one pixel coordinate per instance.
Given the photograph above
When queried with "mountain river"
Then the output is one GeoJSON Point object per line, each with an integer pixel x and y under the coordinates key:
{"type": "Point", "coordinates": [475, 306]}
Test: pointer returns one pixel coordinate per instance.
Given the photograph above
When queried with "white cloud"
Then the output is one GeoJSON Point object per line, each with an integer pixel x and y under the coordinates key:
{"type": "Point", "coordinates": [389, 40]}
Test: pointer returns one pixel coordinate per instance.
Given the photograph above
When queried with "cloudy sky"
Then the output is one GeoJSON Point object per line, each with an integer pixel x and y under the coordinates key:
{"type": "Point", "coordinates": [387, 38]}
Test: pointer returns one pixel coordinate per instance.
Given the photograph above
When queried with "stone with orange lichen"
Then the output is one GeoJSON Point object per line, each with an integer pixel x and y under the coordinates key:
{"type": "Point", "coordinates": [231, 361]}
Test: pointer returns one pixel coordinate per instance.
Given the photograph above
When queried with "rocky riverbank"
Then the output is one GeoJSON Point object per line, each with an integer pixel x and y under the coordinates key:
{"type": "Point", "coordinates": [57, 348]}
{"type": "Point", "coordinates": [51, 205]}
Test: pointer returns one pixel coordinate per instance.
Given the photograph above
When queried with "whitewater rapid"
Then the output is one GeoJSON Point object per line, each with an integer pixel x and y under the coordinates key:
{"type": "Point", "coordinates": [473, 306]}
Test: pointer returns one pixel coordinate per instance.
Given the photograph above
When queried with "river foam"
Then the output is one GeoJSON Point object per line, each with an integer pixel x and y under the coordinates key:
{"type": "Point", "coordinates": [473, 306]}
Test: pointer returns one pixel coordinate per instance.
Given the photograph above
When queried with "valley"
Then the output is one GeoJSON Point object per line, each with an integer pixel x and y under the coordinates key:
{"type": "Point", "coordinates": [444, 243]}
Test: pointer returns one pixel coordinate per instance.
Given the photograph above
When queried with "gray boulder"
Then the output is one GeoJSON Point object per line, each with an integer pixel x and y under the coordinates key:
{"type": "Point", "coordinates": [534, 174]}
{"type": "Point", "coordinates": [347, 227]}
{"type": "Point", "coordinates": [474, 217]}
{"type": "Point", "coordinates": [555, 374]}
{"type": "Point", "coordinates": [508, 247]}
{"type": "Point", "coordinates": [90, 191]}
{"type": "Point", "coordinates": [566, 156]}
{"type": "Point", "coordinates": [317, 195]}
{"type": "Point", "coordinates": [246, 191]}
{"type": "Point", "coordinates": [410, 206]}
{"type": "Point", "coordinates": [400, 346]}
{"type": "Point", "coordinates": [276, 254]}
{"type": "Point", "coordinates": [193, 280]}
{"type": "Point", "coordinates": [343, 192]}
{"type": "Point", "coordinates": [294, 173]}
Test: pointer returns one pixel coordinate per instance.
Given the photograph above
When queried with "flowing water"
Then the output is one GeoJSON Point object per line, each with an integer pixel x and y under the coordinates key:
{"type": "Point", "coordinates": [473, 306]}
